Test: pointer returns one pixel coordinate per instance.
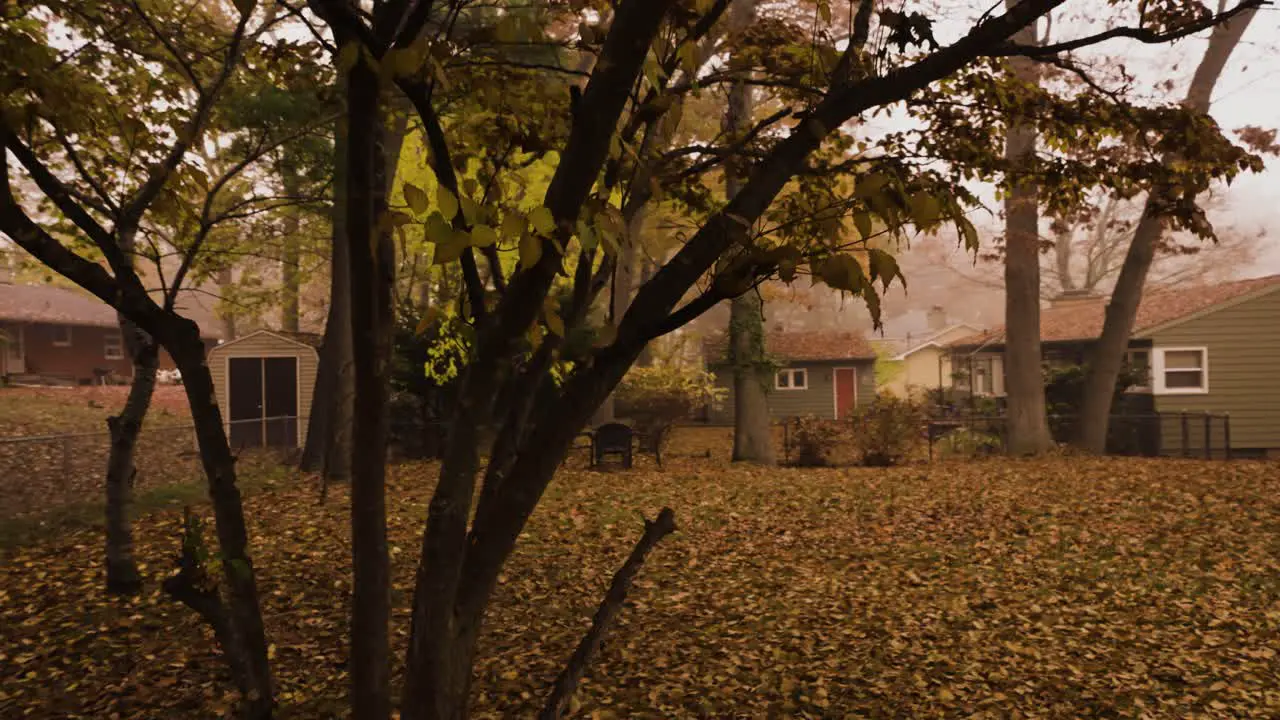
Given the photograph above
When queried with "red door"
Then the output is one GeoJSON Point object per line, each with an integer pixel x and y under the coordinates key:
{"type": "Point", "coordinates": [846, 391]}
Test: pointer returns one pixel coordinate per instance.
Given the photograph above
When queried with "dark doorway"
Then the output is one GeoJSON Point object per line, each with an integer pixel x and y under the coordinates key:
{"type": "Point", "coordinates": [263, 402]}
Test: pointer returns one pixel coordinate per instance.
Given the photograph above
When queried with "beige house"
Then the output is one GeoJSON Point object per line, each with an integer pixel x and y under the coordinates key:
{"type": "Point", "coordinates": [264, 382]}
{"type": "Point", "coordinates": [924, 365]}
{"type": "Point", "coordinates": [1209, 349]}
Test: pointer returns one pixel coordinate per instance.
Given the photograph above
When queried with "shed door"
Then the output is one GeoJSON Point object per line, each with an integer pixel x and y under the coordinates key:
{"type": "Point", "coordinates": [263, 394]}
{"type": "Point", "coordinates": [846, 382]}
{"type": "Point", "coordinates": [280, 381]}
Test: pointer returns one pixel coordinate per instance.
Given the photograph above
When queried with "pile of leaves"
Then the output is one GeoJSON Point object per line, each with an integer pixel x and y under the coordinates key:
{"type": "Point", "coordinates": [1052, 588]}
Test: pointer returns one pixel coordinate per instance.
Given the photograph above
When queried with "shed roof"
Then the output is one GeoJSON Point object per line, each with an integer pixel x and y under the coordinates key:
{"type": "Point", "coordinates": [799, 346]}
{"type": "Point", "coordinates": [308, 341]}
{"type": "Point", "coordinates": [1082, 319]}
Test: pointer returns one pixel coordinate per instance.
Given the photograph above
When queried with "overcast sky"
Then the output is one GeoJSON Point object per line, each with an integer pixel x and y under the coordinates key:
{"type": "Point", "coordinates": [1248, 93]}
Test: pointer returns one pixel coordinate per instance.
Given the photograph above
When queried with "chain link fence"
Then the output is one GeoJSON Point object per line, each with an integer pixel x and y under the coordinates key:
{"type": "Point", "coordinates": [39, 474]}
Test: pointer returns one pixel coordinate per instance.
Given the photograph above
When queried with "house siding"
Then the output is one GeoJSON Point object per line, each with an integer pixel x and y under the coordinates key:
{"type": "Point", "coordinates": [817, 399]}
{"type": "Point", "coordinates": [77, 361]}
{"type": "Point", "coordinates": [267, 345]}
{"type": "Point", "coordinates": [1243, 342]}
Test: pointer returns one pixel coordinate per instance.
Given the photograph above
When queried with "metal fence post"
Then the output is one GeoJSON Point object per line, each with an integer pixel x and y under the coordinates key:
{"type": "Point", "coordinates": [67, 466]}
{"type": "Point", "coordinates": [1186, 434]}
{"type": "Point", "coordinates": [1226, 436]}
{"type": "Point", "coordinates": [1208, 436]}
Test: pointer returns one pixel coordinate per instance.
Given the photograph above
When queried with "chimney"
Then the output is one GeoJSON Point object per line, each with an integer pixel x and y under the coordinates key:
{"type": "Point", "coordinates": [1074, 296]}
{"type": "Point", "coordinates": [937, 318]}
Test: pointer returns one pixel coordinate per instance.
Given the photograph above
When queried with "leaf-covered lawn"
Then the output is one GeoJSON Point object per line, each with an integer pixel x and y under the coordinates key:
{"type": "Point", "coordinates": [1058, 588]}
{"type": "Point", "coordinates": [56, 410]}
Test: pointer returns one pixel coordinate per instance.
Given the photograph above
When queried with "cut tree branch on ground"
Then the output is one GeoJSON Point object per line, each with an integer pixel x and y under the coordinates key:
{"type": "Point", "coordinates": [567, 683]}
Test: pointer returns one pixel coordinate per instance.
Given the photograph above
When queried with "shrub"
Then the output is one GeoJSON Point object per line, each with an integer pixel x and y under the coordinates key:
{"type": "Point", "coordinates": [968, 442]}
{"type": "Point", "coordinates": [815, 439]}
{"type": "Point", "coordinates": [656, 397]}
{"type": "Point", "coordinates": [889, 430]}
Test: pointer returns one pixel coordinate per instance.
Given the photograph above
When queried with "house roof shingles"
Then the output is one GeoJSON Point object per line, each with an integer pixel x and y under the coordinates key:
{"type": "Point", "coordinates": [1082, 319]}
{"type": "Point", "coordinates": [55, 305]}
{"type": "Point", "coordinates": [797, 346]}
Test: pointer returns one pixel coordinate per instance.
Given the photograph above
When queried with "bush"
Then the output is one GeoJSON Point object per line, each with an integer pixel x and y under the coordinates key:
{"type": "Point", "coordinates": [815, 439]}
{"type": "Point", "coordinates": [889, 430]}
{"type": "Point", "coordinates": [656, 397]}
{"type": "Point", "coordinates": [968, 442]}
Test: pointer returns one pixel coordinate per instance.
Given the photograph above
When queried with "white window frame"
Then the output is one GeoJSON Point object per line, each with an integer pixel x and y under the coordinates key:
{"type": "Point", "coordinates": [108, 346]}
{"type": "Point", "coordinates": [1158, 371]}
{"type": "Point", "coordinates": [58, 341]}
{"type": "Point", "coordinates": [791, 379]}
{"type": "Point", "coordinates": [1151, 373]}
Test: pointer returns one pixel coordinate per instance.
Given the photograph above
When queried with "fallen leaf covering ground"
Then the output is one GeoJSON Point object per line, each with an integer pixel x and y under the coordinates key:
{"type": "Point", "coordinates": [54, 410]}
{"type": "Point", "coordinates": [1059, 588]}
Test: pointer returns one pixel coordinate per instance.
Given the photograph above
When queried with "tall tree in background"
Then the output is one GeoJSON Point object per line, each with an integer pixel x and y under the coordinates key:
{"type": "Point", "coordinates": [1028, 422]}
{"type": "Point", "coordinates": [1167, 203]}
{"type": "Point", "coordinates": [752, 376]}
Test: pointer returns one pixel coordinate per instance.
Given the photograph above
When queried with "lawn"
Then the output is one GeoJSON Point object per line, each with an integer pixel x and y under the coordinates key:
{"type": "Point", "coordinates": [57, 410]}
{"type": "Point", "coordinates": [1057, 588]}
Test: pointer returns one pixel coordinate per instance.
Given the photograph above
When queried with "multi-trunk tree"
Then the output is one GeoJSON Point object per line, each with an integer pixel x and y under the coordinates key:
{"type": "Point", "coordinates": [533, 264]}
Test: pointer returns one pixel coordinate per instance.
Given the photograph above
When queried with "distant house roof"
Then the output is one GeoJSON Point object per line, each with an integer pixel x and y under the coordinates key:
{"type": "Point", "coordinates": [1082, 319]}
{"type": "Point", "coordinates": [799, 346]}
{"type": "Point", "coordinates": [936, 339]}
{"type": "Point", "coordinates": [55, 305]}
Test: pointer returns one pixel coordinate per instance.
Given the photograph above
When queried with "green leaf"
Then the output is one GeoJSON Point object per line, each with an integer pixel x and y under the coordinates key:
{"type": "Point", "coordinates": [470, 210]}
{"type": "Point", "coordinates": [842, 272]}
{"type": "Point", "coordinates": [530, 250]}
{"type": "Point", "coordinates": [416, 197]}
{"type": "Point", "coordinates": [924, 209]}
{"type": "Point", "coordinates": [513, 225]}
{"type": "Point", "coordinates": [884, 266]}
{"type": "Point", "coordinates": [968, 233]}
{"type": "Point", "coordinates": [543, 221]}
{"type": "Point", "coordinates": [447, 202]}
{"type": "Point", "coordinates": [451, 249]}
{"type": "Point", "coordinates": [483, 236]}
{"type": "Point", "coordinates": [438, 229]}
{"type": "Point", "coordinates": [862, 221]}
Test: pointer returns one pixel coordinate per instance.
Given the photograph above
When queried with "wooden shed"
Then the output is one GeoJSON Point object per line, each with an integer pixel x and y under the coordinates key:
{"type": "Point", "coordinates": [264, 383]}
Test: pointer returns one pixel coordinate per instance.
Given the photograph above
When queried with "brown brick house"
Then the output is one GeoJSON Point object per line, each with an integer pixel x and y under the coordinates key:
{"type": "Point", "coordinates": [50, 333]}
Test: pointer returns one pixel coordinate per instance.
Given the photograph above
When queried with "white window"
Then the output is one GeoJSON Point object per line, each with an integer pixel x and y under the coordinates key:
{"type": "Point", "coordinates": [1181, 371]}
{"type": "Point", "coordinates": [791, 379]}
{"type": "Point", "coordinates": [62, 336]}
{"type": "Point", "coordinates": [113, 346]}
{"type": "Point", "coordinates": [1139, 363]}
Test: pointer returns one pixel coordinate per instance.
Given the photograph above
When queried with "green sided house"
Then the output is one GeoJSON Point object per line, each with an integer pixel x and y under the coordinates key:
{"type": "Point", "coordinates": [1211, 349]}
{"type": "Point", "coordinates": [826, 374]}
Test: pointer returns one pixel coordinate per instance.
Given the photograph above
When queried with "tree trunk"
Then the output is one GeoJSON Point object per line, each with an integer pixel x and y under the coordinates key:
{"type": "Point", "coordinates": [327, 449]}
{"type": "Point", "coordinates": [1107, 356]}
{"type": "Point", "coordinates": [752, 434]}
{"type": "Point", "coordinates": [1028, 424]}
{"type": "Point", "coordinates": [328, 445]}
{"type": "Point", "coordinates": [624, 283]}
{"type": "Point", "coordinates": [122, 571]}
{"type": "Point", "coordinates": [372, 281]}
{"type": "Point", "coordinates": [224, 279]}
{"type": "Point", "coordinates": [183, 342]}
{"type": "Point", "coordinates": [290, 275]}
